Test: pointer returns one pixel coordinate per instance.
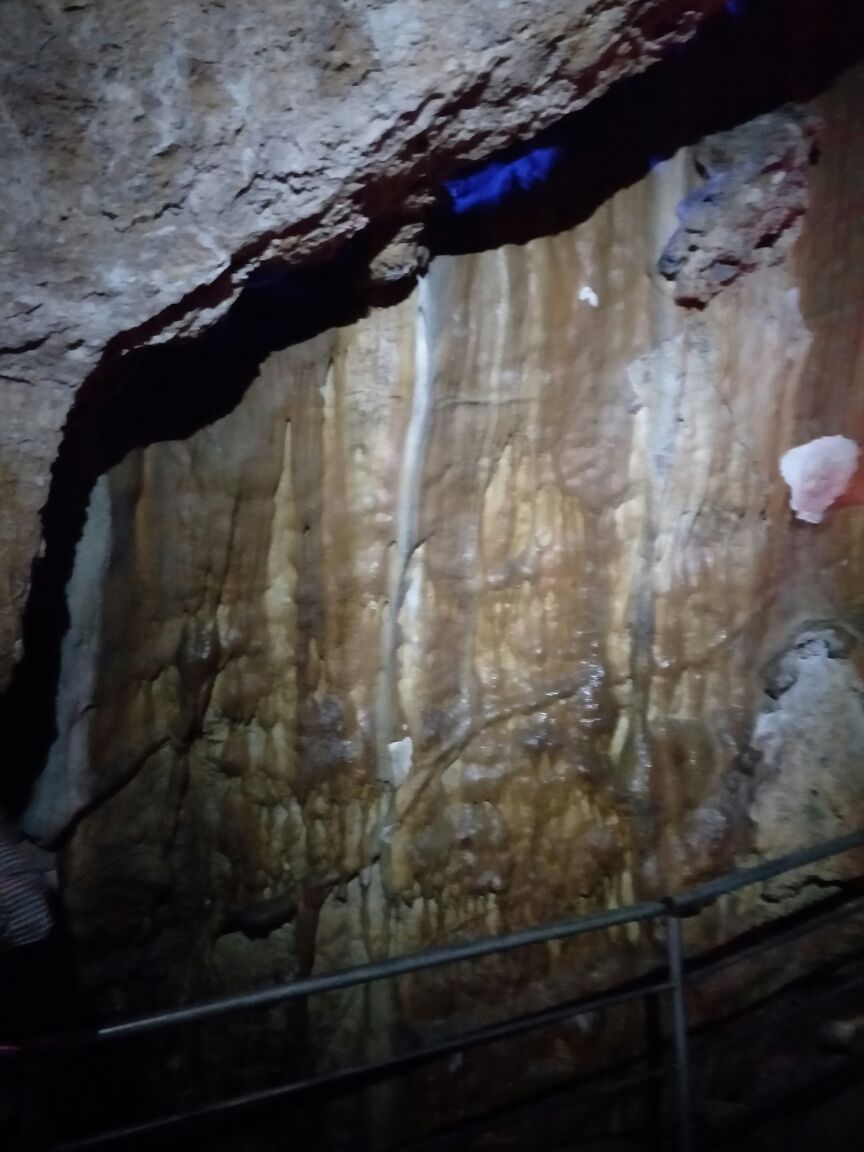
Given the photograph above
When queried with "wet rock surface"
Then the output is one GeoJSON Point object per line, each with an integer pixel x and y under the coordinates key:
{"type": "Point", "coordinates": [478, 611]}
{"type": "Point", "coordinates": [154, 157]}
{"type": "Point", "coordinates": [460, 625]}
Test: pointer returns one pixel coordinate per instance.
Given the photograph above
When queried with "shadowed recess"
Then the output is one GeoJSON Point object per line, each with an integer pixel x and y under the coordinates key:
{"type": "Point", "coordinates": [751, 58]}
{"type": "Point", "coordinates": [490, 186]}
{"type": "Point", "coordinates": [167, 392]}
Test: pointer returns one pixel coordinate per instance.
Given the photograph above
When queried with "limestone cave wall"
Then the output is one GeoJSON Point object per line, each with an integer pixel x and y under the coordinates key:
{"type": "Point", "coordinates": [467, 617]}
{"type": "Point", "coordinates": [155, 155]}
{"type": "Point", "coordinates": [459, 614]}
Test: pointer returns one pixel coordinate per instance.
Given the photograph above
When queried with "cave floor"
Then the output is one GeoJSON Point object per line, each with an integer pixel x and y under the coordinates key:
{"type": "Point", "coordinates": [786, 1074]}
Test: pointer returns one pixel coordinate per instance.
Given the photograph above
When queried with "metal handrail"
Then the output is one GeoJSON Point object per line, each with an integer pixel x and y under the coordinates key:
{"type": "Point", "coordinates": [711, 890]}
{"type": "Point", "coordinates": [690, 899]}
{"type": "Point", "coordinates": [669, 911]}
{"type": "Point", "coordinates": [344, 1079]}
{"type": "Point", "coordinates": [378, 970]}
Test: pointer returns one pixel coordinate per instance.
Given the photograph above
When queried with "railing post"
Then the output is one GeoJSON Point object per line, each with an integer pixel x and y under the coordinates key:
{"type": "Point", "coordinates": [675, 964]}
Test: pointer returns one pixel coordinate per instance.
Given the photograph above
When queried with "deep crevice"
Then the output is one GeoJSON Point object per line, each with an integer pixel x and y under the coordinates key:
{"type": "Point", "coordinates": [161, 393]}
{"type": "Point", "coordinates": [749, 60]}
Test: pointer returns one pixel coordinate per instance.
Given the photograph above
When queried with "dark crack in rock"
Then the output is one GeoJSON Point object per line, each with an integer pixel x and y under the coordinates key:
{"type": "Point", "coordinates": [821, 641]}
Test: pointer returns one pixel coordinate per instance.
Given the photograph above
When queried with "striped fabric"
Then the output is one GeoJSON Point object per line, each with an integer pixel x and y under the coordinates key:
{"type": "Point", "coordinates": [24, 913]}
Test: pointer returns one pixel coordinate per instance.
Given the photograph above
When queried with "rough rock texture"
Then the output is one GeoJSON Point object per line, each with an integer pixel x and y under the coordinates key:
{"type": "Point", "coordinates": [154, 155]}
{"type": "Point", "coordinates": [461, 617]}
{"type": "Point", "coordinates": [743, 217]}
{"type": "Point", "coordinates": [809, 742]}
{"type": "Point", "coordinates": [462, 623]}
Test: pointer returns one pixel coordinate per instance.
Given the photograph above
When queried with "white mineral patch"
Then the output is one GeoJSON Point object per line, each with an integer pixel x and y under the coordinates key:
{"type": "Point", "coordinates": [817, 473]}
{"type": "Point", "coordinates": [401, 757]}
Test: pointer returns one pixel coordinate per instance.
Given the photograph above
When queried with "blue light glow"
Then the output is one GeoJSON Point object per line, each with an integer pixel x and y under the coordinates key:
{"type": "Point", "coordinates": [490, 186]}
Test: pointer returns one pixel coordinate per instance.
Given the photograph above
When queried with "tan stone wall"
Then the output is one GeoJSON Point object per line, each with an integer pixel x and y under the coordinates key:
{"type": "Point", "coordinates": [455, 624]}
{"type": "Point", "coordinates": [155, 154]}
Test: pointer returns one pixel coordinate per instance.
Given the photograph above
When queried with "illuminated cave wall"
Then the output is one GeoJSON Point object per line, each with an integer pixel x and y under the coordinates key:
{"type": "Point", "coordinates": [393, 626]}
{"type": "Point", "coordinates": [467, 616]}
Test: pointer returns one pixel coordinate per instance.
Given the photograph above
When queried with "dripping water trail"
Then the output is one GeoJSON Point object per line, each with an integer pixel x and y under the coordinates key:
{"type": "Point", "coordinates": [405, 538]}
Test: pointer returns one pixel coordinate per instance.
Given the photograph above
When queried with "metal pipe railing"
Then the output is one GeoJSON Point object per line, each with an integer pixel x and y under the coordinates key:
{"type": "Point", "coordinates": [345, 1079]}
{"type": "Point", "coordinates": [379, 970]}
{"type": "Point", "coordinates": [849, 906]}
{"type": "Point", "coordinates": [703, 894]}
{"type": "Point", "coordinates": [668, 912]}
{"type": "Point", "coordinates": [681, 1067]}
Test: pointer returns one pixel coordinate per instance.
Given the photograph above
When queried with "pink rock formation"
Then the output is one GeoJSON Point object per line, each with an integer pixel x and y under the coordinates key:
{"type": "Point", "coordinates": [818, 473]}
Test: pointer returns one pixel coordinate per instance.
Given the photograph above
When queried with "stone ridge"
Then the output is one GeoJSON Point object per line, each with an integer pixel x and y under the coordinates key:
{"type": "Point", "coordinates": [154, 156]}
{"type": "Point", "coordinates": [745, 215]}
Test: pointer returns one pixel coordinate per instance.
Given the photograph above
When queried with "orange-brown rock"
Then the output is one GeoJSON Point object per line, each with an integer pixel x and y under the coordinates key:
{"type": "Point", "coordinates": [466, 618]}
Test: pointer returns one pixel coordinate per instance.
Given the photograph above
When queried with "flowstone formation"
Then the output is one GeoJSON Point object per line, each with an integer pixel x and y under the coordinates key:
{"type": "Point", "coordinates": [367, 631]}
{"type": "Point", "coordinates": [453, 625]}
{"type": "Point", "coordinates": [155, 156]}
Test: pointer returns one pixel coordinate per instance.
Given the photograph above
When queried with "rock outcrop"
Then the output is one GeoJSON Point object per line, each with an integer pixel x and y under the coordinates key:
{"type": "Point", "coordinates": [745, 214]}
{"type": "Point", "coordinates": [454, 624]}
{"type": "Point", "coordinates": [388, 629]}
{"type": "Point", "coordinates": [154, 156]}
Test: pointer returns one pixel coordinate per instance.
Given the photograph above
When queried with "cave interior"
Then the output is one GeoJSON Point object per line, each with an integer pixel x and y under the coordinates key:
{"type": "Point", "coordinates": [411, 582]}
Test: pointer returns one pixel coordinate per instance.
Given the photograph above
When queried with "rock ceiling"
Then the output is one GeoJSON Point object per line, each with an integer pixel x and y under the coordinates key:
{"type": "Point", "coordinates": [154, 155]}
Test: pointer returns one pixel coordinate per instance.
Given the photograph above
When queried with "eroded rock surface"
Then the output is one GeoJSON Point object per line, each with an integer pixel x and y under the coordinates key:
{"type": "Point", "coordinates": [745, 214]}
{"type": "Point", "coordinates": [458, 625]}
{"type": "Point", "coordinates": [154, 155]}
{"type": "Point", "coordinates": [808, 741]}
{"type": "Point", "coordinates": [455, 621]}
